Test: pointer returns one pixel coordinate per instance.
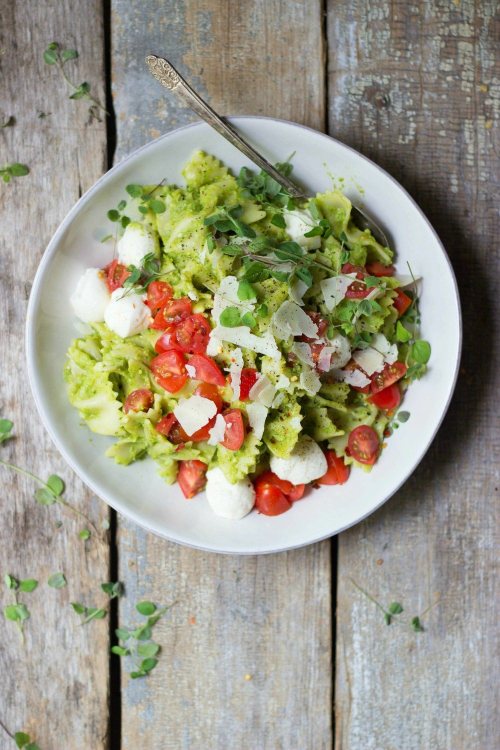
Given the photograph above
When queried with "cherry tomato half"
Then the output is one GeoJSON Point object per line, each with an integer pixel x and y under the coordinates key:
{"type": "Point", "coordinates": [192, 477]}
{"type": "Point", "coordinates": [292, 491]}
{"type": "Point", "coordinates": [357, 290]}
{"type": "Point", "coordinates": [159, 293]}
{"type": "Point", "coordinates": [271, 501]}
{"type": "Point", "coordinates": [192, 334]}
{"type": "Point", "coordinates": [337, 472]}
{"type": "Point", "coordinates": [171, 429]}
{"type": "Point", "coordinates": [140, 400]}
{"type": "Point", "coordinates": [389, 398]}
{"type": "Point", "coordinates": [174, 311]}
{"type": "Point", "coordinates": [378, 269]}
{"type": "Point", "coordinates": [207, 390]}
{"type": "Point", "coordinates": [402, 302]}
{"type": "Point", "coordinates": [320, 321]}
{"type": "Point", "coordinates": [389, 375]}
{"type": "Point", "coordinates": [352, 365]}
{"type": "Point", "coordinates": [358, 270]}
{"type": "Point", "coordinates": [235, 430]}
{"type": "Point", "coordinates": [169, 370]}
{"type": "Point", "coordinates": [167, 340]}
{"type": "Point", "coordinates": [363, 444]}
{"type": "Point", "coordinates": [206, 369]}
{"type": "Point", "coordinates": [116, 273]}
{"type": "Point", "coordinates": [248, 379]}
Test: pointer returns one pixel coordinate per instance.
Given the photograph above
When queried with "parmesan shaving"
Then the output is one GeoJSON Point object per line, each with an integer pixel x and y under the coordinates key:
{"type": "Point", "coordinates": [257, 415]}
{"type": "Point", "coordinates": [334, 289]}
{"type": "Point", "coordinates": [290, 320]}
{"type": "Point", "coordinates": [262, 390]}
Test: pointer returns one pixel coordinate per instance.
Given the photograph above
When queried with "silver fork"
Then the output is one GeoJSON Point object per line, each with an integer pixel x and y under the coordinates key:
{"type": "Point", "coordinates": [169, 77]}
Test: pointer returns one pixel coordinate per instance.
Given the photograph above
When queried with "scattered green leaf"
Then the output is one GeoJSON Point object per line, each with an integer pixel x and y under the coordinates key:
{"type": "Point", "coordinates": [146, 608]}
{"type": "Point", "coordinates": [57, 581]}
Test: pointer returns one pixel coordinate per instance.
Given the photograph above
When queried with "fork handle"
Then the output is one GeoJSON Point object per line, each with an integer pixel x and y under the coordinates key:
{"type": "Point", "coordinates": [169, 77]}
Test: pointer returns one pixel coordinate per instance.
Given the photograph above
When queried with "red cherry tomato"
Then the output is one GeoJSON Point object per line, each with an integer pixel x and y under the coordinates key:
{"type": "Point", "coordinates": [357, 290]}
{"type": "Point", "coordinates": [169, 370]}
{"type": "Point", "coordinates": [167, 340]}
{"type": "Point", "coordinates": [159, 293]}
{"type": "Point", "coordinates": [389, 398]}
{"type": "Point", "coordinates": [174, 311]}
{"type": "Point", "coordinates": [235, 430]}
{"type": "Point", "coordinates": [358, 270]}
{"type": "Point", "coordinates": [192, 334]}
{"type": "Point", "coordinates": [292, 491]}
{"type": "Point", "coordinates": [402, 302]}
{"type": "Point", "coordinates": [170, 428]}
{"type": "Point", "coordinates": [166, 425]}
{"type": "Point", "coordinates": [140, 400]}
{"type": "Point", "coordinates": [320, 321]}
{"type": "Point", "coordinates": [192, 477]}
{"type": "Point", "coordinates": [248, 379]}
{"type": "Point", "coordinates": [207, 390]}
{"type": "Point", "coordinates": [116, 273]}
{"type": "Point", "coordinates": [363, 444]}
{"type": "Point", "coordinates": [270, 500]}
{"type": "Point", "coordinates": [337, 472]}
{"type": "Point", "coordinates": [389, 375]}
{"type": "Point", "coordinates": [206, 369]}
{"type": "Point", "coordinates": [378, 269]}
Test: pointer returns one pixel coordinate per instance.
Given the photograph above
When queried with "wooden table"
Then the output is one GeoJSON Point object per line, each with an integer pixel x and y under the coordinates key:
{"type": "Point", "coordinates": [276, 652]}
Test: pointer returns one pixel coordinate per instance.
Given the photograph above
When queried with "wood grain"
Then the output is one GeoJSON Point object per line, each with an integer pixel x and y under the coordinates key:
{"type": "Point", "coordinates": [415, 86]}
{"type": "Point", "coordinates": [55, 686]}
{"type": "Point", "coordinates": [247, 649]}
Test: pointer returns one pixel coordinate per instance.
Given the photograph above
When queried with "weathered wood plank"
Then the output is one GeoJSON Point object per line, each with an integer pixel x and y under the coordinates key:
{"type": "Point", "coordinates": [268, 617]}
{"type": "Point", "coordinates": [56, 685]}
{"type": "Point", "coordinates": [415, 87]}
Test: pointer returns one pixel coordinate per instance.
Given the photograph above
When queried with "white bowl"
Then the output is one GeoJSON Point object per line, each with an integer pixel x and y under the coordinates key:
{"type": "Point", "coordinates": [136, 490]}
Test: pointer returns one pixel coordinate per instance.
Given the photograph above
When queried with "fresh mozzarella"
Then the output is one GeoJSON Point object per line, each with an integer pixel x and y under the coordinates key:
{"type": "Point", "coordinates": [369, 360]}
{"type": "Point", "coordinates": [229, 500]}
{"type": "Point", "coordinates": [218, 431]}
{"type": "Point", "coordinates": [126, 314]}
{"type": "Point", "coordinates": [194, 412]}
{"type": "Point", "coordinates": [306, 463]}
{"type": "Point", "coordinates": [137, 242]}
{"type": "Point", "coordinates": [91, 296]}
{"type": "Point", "coordinates": [257, 415]}
{"type": "Point", "coordinates": [242, 336]}
{"type": "Point", "coordinates": [298, 223]}
{"type": "Point", "coordinates": [303, 352]}
{"type": "Point", "coordinates": [334, 289]}
{"type": "Point", "coordinates": [262, 391]}
{"type": "Point", "coordinates": [309, 381]}
{"type": "Point", "coordinates": [290, 320]}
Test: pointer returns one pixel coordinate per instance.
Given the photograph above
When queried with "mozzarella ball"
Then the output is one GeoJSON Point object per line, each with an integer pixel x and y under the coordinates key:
{"type": "Point", "coordinates": [91, 296]}
{"type": "Point", "coordinates": [297, 224]}
{"type": "Point", "coordinates": [126, 314]}
{"type": "Point", "coordinates": [136, 242]}
{"type": "Point", "coordinates": [226, 499]}
{"type": "Point", "coordinates": [306, 463]}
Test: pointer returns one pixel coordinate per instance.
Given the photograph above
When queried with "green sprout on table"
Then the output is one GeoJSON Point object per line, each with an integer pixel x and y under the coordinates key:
{"type": "Point", "coordinates": [18, 612]}
{"type": "Point", "coordinates": [56, 55]}
{"type": "Point", "coordinates": [22, 740]}
{"type": "Point", "coordinates": [393, 611]}
{"type": "Point", "coordinates": [137, 642]}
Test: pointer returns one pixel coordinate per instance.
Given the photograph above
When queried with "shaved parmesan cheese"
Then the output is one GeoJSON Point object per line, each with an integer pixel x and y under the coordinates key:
{"type": "Point", "coordinates": [192, 295]}
{"type": "Point", "coordinates": [214, 346]}
{"type": "Point", "coordinates": [262, 390]}
{"type": "Point", "coordinates": [297, 290]}
{"type": "Point", "coordinates": [283, 382]}
{"type": "Point", "coordinates": [369, 360]}
{"type": "Point", "coordinates": [325, 357]}
{"type": "Point", "coordinates": [352, 377]}
{"type": "Point", "coordinates": [334, 289]}
{"type": "Point", "coordinates": [290, 320]}
{"type": "Point", "coordinates": [235, 372]}
{"type": "Point", "coordinates": [278, 400]}
{"type": "Point", "coordinates": [309, 381]}
{"type": "Point", "coordinates": [341, 350]}
{"type": "Point", "coordinates": [298, 223]}
{"type": "Point", "coordinates": [242, 336]}
{"type": "Point", "coordinates": [191, 371]}
{"type": "Point", "coordinates": [388, 351]}
{"type": "Point", "coordinates": [257, 414]}
{"type": "Point", "coordinates": [194, 412]}
{"type": "Point", "coordinates": [303, 352]}
{"type": "Point", "coordinates": [406, 280]}
{"type": "Point", "coordinates": [218, 431]}
{"type": "Point", "coordinates": [227, 296]}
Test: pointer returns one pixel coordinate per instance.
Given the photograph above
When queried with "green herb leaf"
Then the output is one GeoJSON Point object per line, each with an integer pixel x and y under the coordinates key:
{"type": "Point", "coordinates": [28, 585]}
{"type": "Point", "coordinates": [395, 608]}
{"type": "Point", "coordinates": [51, 54]}
{"type": "Point", "coordinates": [416, 625]}
{"type": "Point", "coordinates": [245, 290]}
{"type": "Point", "coordinates": [305, 275]}
{"type": "Point", "coordinates": [84, 534]}
{"type": "Point", "coordinates": [143, 633]}
{"type": "Point", "coordinates": [421, 351]}
{"type": "Point", "coordinates": [113, 214]}
{"type": "Point", "coordinates": [81, 91]}
{"type": "Point", "coordinates": [146, 608]}
{"type": "Point", "coordinates": [56, 484]}
{"type": "Point", "coordinates": [9, 122]}
{"type": "Point", "coordinates": [10, 581]}
{"type": "Point", "coordinates": [135, 191]}
{"type": "Point", "coordinates": [93, 613]}
{"type": "Point", "coordinates": [16, 612]}
{"type": "Point", "coordinates": [248, 320]}
{"type": "Point", "coordinates": [21, 739]}
{"type": "Point", "coordinates": [136, 675]}
{"type": "Point", "coordinates": [232, 250]}
{"type": "Point", "coordinates": [122, 633]}
{"type": "Point", "coordinates": [69, 54]}
{"type": "Point", "coordinates": [211, 244]}
{"type": "Point", "coordinates": [372, 281]}
{"type": "Point", "coordinates": [387, 618]}
{"type": "Point", "coordinates": [280, 275]}
{"type": "Point", "coordinates": [402, 334]}
{"type": "Point", "coordinates": [230, 317]}
{"type": "Point", "coordinates": [45, 496]}
{"type": "Point", "coordinates": [278, 221]}
{"type": "Point", "coordinates": [148, 650]}
{"type": "Point", "coordinates": [120, 651]}
{"type": "Point", "coordinates": [113, 590]}
{"type": "Point", "coordinates": [78, 608]}
{"type": "Point", "coordinates": [403, 416]}
{"type": "Point", "coordinates": [57, 581]}
{"type": "Point", "coordinates": [18, 170]}
{"type": "Point", "coordinates": [6, 427]}
{"type": "Point", "coordinates": [289, 251]}
{"type": "Point", "coordinates": [314, 232]}
{"type": "Point", "coordinates": [157, 206]}
{"type": "Point", "coordinates": [262, 311]}
{"type": "Point", "coordinates": [255, 271]}
{"type": "Point", "coordinates": [121, 205]}
{"type": "Point", "coordinates": [314, 210]}
{"type": "Point", "coordinates": [148, 664]}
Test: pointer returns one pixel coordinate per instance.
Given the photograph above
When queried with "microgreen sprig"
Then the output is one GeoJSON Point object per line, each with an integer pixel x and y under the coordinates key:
{"type": "Point", "coordinates": [264, 188]}
{"type": "Point", "coordinates": [227, 220]}
{"type": "Point", "coordinates": [137, 642]}
{"type": "Point", "coordinates": [18, 612]}
{"type": "Point", "coordinates": [56, 55]}
{"type": "Point", "coordinates": [143, 275]}
{"type": "Point", "coordinates": [394, 609]}
{"type": "Point", "coordinates": [8, 171]}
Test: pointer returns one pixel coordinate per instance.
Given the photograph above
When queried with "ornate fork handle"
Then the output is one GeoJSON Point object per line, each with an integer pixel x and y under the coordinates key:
{"type": "Point", "coordinates": [169, 77]}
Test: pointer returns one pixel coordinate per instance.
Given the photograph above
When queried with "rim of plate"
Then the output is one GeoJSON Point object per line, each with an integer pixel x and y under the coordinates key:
{"type": "Point", "coordinates": [36, 388]}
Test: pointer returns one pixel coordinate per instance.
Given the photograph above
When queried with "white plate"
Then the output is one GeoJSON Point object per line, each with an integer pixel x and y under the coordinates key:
{"type": "Point", "coordinates": [137, 491]}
